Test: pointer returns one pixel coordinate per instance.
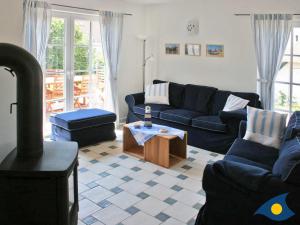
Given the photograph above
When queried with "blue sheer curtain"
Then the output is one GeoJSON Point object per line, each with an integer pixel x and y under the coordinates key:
{"type": "Point", "coordinates": [36, 27]}
{"type": "Point", "coordinates": [111, 24]}
{"type": "Point", "coordinates": [271, 34]}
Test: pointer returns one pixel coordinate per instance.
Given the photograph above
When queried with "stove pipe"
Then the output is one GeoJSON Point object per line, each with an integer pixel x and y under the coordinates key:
{"type": "Point", "coordinates": [29, 99]}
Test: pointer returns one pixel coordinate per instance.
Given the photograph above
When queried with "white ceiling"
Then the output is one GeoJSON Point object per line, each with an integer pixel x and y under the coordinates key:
{"type": "Point", "coordinates": [150, 1]}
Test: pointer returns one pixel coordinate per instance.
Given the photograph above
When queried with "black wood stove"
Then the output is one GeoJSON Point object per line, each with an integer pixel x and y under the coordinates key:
{"type": "Point", "coordinates": [38, 180]}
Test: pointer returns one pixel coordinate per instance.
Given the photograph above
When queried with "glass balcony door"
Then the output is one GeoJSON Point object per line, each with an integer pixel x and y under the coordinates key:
{"type": "Point", "coordinates": [74, 68]}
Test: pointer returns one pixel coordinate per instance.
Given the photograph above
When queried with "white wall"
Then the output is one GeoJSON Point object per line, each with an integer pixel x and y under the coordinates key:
{"type": "Point", "coordinates": [130, 79]}
{"type": "Point", "coordinates": [237, 70]}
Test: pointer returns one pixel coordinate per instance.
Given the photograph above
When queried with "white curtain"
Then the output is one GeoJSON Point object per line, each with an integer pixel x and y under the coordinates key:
{"type": "Point", "coordinates": [111, 35]}
{"type": "Point", "coordinates": [36, 27]}
{"type": "Point", "coordinates": [271, 33]}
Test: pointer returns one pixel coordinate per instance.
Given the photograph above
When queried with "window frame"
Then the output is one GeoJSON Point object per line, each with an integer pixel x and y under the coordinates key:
{"type": "Point", "coordinates": [291, 83]}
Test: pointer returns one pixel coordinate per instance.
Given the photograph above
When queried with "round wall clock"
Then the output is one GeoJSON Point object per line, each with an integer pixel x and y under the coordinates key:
{"type": "Point", "coordinates": [193, 27]}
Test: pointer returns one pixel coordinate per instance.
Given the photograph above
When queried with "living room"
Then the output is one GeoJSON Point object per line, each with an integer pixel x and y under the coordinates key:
{"type": "Point", "coordinates": [150, 112]}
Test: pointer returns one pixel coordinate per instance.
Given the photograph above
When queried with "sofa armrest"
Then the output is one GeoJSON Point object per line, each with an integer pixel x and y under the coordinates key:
{"type": "Point", "coordinates": [232, 119]}
{"type": "Point", "coordinates": [242, 128]}
{"type": "Point", "coordinates": [135, 99]}
{"type": "Point", "coordinates": [246, 176]}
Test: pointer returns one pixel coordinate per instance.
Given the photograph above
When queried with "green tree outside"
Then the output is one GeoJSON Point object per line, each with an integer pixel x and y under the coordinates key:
{"type": "Point", "coordinates": [55, 53]}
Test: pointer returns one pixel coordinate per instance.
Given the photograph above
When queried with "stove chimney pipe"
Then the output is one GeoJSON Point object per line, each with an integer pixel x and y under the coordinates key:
{"type": "Point", "coordinates": [29, 99]}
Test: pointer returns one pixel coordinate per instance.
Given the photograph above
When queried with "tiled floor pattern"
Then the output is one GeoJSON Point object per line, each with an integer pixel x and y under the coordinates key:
{"type": "Point", "coordinates": [117, 189]}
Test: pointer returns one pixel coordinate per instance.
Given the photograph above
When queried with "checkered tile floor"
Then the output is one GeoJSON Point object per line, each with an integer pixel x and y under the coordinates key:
{"type": "Point", "coordinates": [117, 189]}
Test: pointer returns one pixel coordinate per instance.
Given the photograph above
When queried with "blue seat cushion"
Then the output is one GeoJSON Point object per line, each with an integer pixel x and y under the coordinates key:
{"type": "Point", "coordinates": [287, 165]}
{"type": "Point", "coordinates": [155, 109]}
{"type": "Point", "coordinates": [181, 116]}
{"type": "Point", "coordinates": [255, 152]}
{"type": "Point", "coordinates": [83, 118]}
{"type": "Point", "coordinates": [211, 123]}
{"type": "Point", "coordinates": [293, 127]}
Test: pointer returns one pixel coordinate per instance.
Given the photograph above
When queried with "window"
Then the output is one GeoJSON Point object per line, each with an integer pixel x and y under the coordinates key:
{"type": "Point", "coordinates": [74, 68]}
{"type": "Point", "coordinates": [287, 84]}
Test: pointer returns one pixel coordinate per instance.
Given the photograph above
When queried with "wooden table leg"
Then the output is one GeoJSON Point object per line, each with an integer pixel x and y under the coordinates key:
{"type": "Point", "coordinates": [157, 151]}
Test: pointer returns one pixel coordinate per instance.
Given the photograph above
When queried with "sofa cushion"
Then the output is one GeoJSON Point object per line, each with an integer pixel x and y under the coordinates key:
{"type": "Point", "coordinates": [181, 116]}
{"type": "Point", "coordinates": [287, 165]}
{"type": "Point", "coordinates": [83, 118]}
{"type": "Point", "coordinates": [176, 93]}
{"type": "Point", "coordinates": [255, 152]}
{"type": "Point", "coordinates": [211, 123]}
{"type": "Point", "coordinates": [238, 159]}
{"type": "Point", "coordinates": [155, 109]}
{"type": "Point", "coordinates": [219, 99]}
{"type": "Point", "coordinates": [265, 127]}
{"type": "Point", "coordinates": [197, 97]}
{"type": "Point", "coordinates": [293, 127]}
{"type": "Point", "coordinates": [157, 94]}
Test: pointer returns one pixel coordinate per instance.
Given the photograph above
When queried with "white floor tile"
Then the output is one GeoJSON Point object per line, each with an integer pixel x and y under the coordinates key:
{"type": "Point", "coordinates": [87, 177]}
{"type": "Point", "coordinates": [120, 171]}
{"type": "Point", "coordinates": [82, 188]}
{"type": "Point", "coordinates": [160, 192]}
{"type": "Point", "coordinates": [143, 176]}
{"type": "Point", "coordinates": [124, 200]}
{"type": "Point", "coordinates": [129, 163]}
{"type": "Point", "coordinates": [188, 197]}
{"type": "Point", "coordinates": [110, 182]}
{"type": "Point", "coordinates": [172, 221]}
{"type": "Point", "coordinates": [87, 208]}
{"type": "Point", "coordinates": [99, 168]}
{"type": "Point", "coordinates": [191, 184]}
{"type": "Point", "coordinates": [181, 212]}
{"type": "Point", "coordinates": [141, 218]}
{"type": "Point", "coordinates": [167, 180]}
{"type": "Point", "coordinates": [111, 215]}
{"type": "Point", "coordinates": [134, 187]}
{"type": "Point", "coordinates": [97, 194]}
{"type": "Point", "coordinates": [152, 206]}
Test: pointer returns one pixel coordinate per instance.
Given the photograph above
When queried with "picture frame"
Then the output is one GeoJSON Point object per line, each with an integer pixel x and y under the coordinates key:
{"type": "Point", "coordinates": [215, 50]}
{"type": "Point", "coordinates": [172, 49]}
{"type": "Point", "coordinates": [193, 49]}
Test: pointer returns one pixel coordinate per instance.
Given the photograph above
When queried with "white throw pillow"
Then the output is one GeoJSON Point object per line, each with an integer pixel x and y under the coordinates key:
{"type": "Point", "coordinates": [157, 94]}
{"type": "Point", "coordinates": [265, 127]}
{"type": "Point", "coordinates": [234, 103]}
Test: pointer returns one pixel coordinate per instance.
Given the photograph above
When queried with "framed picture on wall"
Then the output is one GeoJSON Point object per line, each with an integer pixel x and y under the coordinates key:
{"type": "Point", "coordinates": [215, 50]}
{"type": "Point", "coordinates": [172, 49]}
{"type": "Point", "coordinates": [193, 49]}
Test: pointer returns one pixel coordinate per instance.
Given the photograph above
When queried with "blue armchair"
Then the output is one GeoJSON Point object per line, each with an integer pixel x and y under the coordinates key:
{"type": "Point", "coordinates": [250, 175]}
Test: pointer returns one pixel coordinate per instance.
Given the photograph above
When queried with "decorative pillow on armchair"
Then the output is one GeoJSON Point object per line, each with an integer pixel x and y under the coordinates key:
{"type": "Point", "coordinates": [265, 127]}
{"type": "Point", "coordinates": [157, 94]}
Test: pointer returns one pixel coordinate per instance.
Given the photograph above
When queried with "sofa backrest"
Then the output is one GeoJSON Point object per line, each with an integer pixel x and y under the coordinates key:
{"type": "Point", "coordinates": [197, 98]}
{"type": "Point", "coordinates": [219, 99]}
{"type": "Point", "coordinates": [287, 165]}
{"type": "Point", "coordinates": [204, 99]}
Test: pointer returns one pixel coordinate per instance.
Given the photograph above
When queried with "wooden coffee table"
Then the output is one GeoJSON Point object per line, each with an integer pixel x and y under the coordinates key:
{"type": "Point", "coordinates": [162, 150]}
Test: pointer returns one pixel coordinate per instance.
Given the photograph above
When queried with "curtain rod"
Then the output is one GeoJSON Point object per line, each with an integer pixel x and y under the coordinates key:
{"type": "Point", "coordinates": [247, 14]}
{"type": "Point", "coordinates": [94, 10]}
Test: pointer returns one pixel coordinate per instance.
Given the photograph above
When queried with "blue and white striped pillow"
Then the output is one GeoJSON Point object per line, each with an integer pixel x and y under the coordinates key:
{"type": "Point", "coordinates": [157, 94]}
{"type": "Point", "coordinates": [265, 127]}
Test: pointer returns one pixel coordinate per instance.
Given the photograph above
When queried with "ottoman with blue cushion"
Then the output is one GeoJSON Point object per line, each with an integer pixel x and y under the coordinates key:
{"type": "Point", "coordinates": [86, 126]}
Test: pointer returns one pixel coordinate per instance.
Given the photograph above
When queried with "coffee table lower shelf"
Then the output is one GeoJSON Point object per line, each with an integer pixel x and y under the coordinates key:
{"type": "Point", "coordinates": [162, 150]}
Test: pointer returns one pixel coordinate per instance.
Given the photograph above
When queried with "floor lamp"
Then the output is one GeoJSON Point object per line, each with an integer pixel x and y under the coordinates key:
{"type": "Point", "coordinates": [145, 59]}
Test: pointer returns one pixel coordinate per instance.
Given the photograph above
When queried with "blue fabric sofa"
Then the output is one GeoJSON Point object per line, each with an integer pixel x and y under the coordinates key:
{"type": "Point", "coordinates": [250, 175]}
{"type": "Point", "coordinates": [197, 110]}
